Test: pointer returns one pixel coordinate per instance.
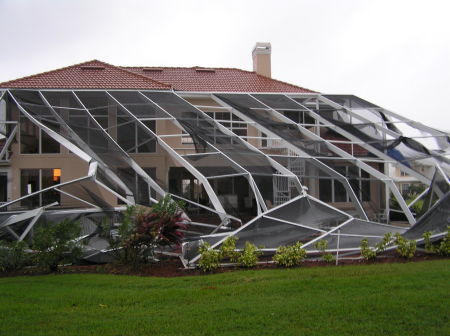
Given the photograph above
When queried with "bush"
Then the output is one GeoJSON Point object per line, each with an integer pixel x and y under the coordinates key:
{"type": "Point", "coordinates": [383, 244]}
{"type": "Point", "coordinates": [442, 249]}
{"type": "Point", "coordinates": [117, 237]}
{"type": "Point", "coordinates": [405, 248]}
{"type": "Point", "coordinates": [444, 246]}
{"type": "Point", "coordinates": [209, 258]}
{"type": "Point", "coordinates": [429, 247]}
{"type": "Point", "coordinates": [142, 230]}
{"type": "Point", "coordinates": [322, 245]}
{"type": "Point", "coordinates": [228, 249]}
{"type": "Point", "coordinates": [249, 256]}
{"type": "Point", "coordinates": [13, 256]}
{"type": "Point", "coordinates": [168, 207]}
{"type": "Point", "coordinates": [289, 256]}
{"type": "Point", "coordinates": [366, 251]}
{"type": "Point", "coordinates": [55, 244]}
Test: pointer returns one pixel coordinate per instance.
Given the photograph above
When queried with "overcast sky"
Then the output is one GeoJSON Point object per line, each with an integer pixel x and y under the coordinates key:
{"type": "Point", "coordinates": [394, 53]}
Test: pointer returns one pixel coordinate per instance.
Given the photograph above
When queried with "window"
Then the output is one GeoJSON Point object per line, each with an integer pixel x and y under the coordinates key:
{"type": "Point", "coordinates": [33, 140]}
{"type": "Point", "coordinates": [300, 117]}
{"type": "Point", "coordinates": [138, 185]}
{"type": "Point", "coordinates": [32, 180]}
{"type": "Point", "coordinates": [333, 190]}
{"type": "Point", "coordinates": [133, 138]}
{"type": "Point", "coordinates": [402, 173]}
{"type": "Point", "coordinates": [3, 187]}
{"type": "Point", "coordinates": [404, 188]}
{"type": "Point", "coordinates": [326, 190]}
{"type": "Point", "coordinates": [339, 192]}
{"type": "Point", "coordinates": [230, 121]}
{"type": "Point", "coordinates": [264, 142]}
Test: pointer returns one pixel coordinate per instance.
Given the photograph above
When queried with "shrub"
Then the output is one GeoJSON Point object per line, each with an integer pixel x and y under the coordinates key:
{"type": "Point", "coordinates": [249, 256]}
{"type": "Point", "coordinates": [162, 227]}
{"type": "Point", "coordinates": [168, 207]}
{"type": "Point", "coordinates": [405, 248]}
{"type": "Point", "coordinates": [143, 230]}
{"type": "Point", "coordinates": [289, 256]}
{"type": "Point", "coordinates": [366, 251]}
{"type": "Point", "coordinates": [444, 246]}
{"type": "Point", "coordinates": [383, 244]}
{"type": "Point", "coordinates": [117, 237]}
{"type": "Point", "coordinates": [429, 247]}
{"type": "Point", "coordinates": [228, 249]}
{"type": "Point", "coordinates": [56, 243]}
{"type": "Point", "coordinates": [442, 249]}
{"type": "Point", "coordinates": [13, 256]}
{"type": "Point", "coordinates": [209, 258]}
{"type": "Point", "coordinates": [322, 245]}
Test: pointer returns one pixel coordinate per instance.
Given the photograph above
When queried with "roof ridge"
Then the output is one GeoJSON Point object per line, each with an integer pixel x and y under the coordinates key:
{"type": "Point", "coordinates": [179, 67]}
{"type": "Point", "coordinates": [222, 68]}
{"type": "Point", "coordinates": [140, 75]}
{"type": "Point", "coordinates": [47, 72]}
{"type": "Point", "coordinates": [81, 64]}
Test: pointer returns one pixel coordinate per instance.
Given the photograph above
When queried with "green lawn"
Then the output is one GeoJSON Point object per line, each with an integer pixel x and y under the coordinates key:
{"type": "Point", "coordinates": [380, 299]}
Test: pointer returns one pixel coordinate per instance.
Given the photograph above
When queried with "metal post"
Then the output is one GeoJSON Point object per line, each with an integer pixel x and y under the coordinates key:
{"type": "Point", "coordinates": [337, 251]}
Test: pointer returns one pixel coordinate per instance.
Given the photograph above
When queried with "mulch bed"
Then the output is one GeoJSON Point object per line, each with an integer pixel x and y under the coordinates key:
{"type": "Point", "coordinates": [172, 267]}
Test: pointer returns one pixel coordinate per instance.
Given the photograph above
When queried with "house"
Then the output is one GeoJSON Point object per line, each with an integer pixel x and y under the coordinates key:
{"type": "Point", "coordinates": [235, 145]}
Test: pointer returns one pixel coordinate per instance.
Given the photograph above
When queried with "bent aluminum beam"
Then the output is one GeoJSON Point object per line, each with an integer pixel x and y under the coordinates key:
{"type": "Point", "coordinates": [81, 154]}
{"type": "Point", "coordinates": [369, 147]}
{"type": "Point", "coordinates": [131, 162]}
{"type": "Point", "coordinates": [382, 177]}
{"type": "Point", "coordinates": [80, 141]}
{"type": "Point", "coordinates": [300, 152]}
{"type": "Point", "coordinates": [8, 141]}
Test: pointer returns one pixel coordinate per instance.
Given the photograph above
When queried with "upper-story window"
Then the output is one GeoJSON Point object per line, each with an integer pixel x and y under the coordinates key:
{"type": "Point", "coordinates": [300, 117]}
{"type": "Point", "coordinates": [33, 140]}
{"type": "Point", "coordinates": [133, 138]}
{"type": "Point", "coordinates": [230, 121]}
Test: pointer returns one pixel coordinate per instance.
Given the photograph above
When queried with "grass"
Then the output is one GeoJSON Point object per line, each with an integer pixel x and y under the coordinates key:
{"type": "Point", "coordinates": [378, 299]}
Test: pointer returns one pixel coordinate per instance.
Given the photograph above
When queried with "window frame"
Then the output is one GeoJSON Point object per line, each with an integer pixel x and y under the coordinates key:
{"type": "Point", "coordinates": [39, 187]}
{"type": "Point", "coordinates": [39, 138]}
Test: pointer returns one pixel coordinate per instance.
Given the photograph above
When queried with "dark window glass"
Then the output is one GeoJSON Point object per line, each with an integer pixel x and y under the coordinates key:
{"type": "Point", "coordinates": [29, 137]}
{"type": "Point", "coordinates": [3, 187]}
{"type": "Point", "coordinates": [224, 186]}
{"type": "Point", "coordinates": [340, 194]}
{"type": "Point", "coordinates": [126, 134]}
{"type": "Point", "coordinates": [29, 183]}
{"type": "Point", "coordinates": [365, 186]}
{"type": "Point", "coordinates": [264, 141]}
{"type": "Point", "coordinates": [293, 115]}
{"type": "Point", "coordinates": [32, 180]}
{"type": "Point", "coordinates": [325, 190]}
{"type": "Point", "coordinates": [48, 144]}
{"type": "Point", "coordinates": [50, 177]}
{"type": "Point", "coordinates": [146, 142]}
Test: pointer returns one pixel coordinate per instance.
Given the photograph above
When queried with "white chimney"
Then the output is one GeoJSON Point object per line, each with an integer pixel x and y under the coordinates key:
{"type": "Point", "coordinates": [261, 58]}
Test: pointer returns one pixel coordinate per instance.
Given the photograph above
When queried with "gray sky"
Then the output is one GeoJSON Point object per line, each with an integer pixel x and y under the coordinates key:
{"type": "Point", "coordinates": [394, 53]}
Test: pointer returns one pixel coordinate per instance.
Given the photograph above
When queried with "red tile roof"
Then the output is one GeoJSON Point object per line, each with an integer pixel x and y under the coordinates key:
{"type": "Point", "coordinates": [216, 79]}
{"type": "Point", "coordinates": [99, 75]}
{"type": "Point", "coordinates": [89, 75]}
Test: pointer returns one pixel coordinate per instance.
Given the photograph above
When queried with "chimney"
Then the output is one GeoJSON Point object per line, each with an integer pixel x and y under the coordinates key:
{"type": "Point", "coordinates": [261, 59]}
